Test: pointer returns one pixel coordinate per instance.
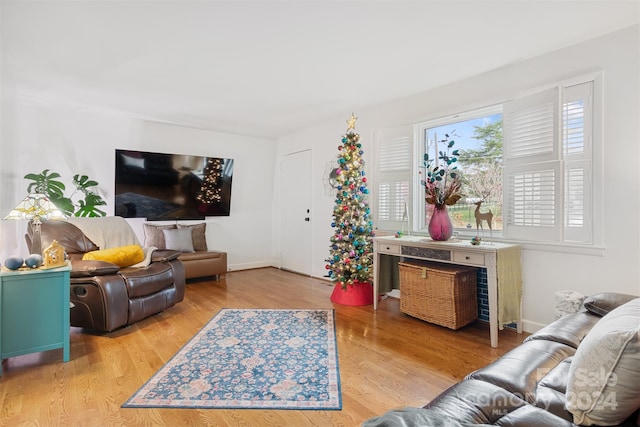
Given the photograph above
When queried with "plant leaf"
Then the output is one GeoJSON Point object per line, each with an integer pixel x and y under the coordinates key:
{"type": "Point", "coordinates": [453, 199]}
{"type": "Point", "coordinates": [65, 204]}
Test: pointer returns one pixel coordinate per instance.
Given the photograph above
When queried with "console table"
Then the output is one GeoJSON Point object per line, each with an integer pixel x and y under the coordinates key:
{"type": "Point", "coordinates": [34, 311]}
{"type": "Point", "coordinates": [500, 260]}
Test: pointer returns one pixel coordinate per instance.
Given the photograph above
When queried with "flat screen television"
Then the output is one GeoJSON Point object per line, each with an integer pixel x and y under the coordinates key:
{"type": "Point", "coordinates": [161, 186]}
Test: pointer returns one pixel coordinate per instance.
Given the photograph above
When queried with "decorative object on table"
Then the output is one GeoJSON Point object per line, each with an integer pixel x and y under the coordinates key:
{"type": "Point", "coordinates": [54, 255]}
{"type": "Point", "coordinates": [399, 234]}
{"type": "Point", "coordinates": [442, 186]}
{"type": "Point", "coordinates": [405, 217]}
{"type": "Point", "coordinates": [252, 359]}
{"type": "Point", "coordinates": [13, 262]}
{"type": "Point", "coordinates": [34, 261]}
{"type": "Point", "coordinates": [36, 206]}
{"type": "Point", "coordinates": [49, 184]}
{"type": "Point", "coordinates": [440, 226]}
{"type": "Point", "coordinates": [475, 240]}
{"type": "Point", "coordinates": [350, 262]}
{"type": "Point", "coordinates": [483, 216]}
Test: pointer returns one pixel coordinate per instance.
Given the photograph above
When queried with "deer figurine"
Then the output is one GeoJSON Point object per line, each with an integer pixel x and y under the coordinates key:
{"type": "Point", "coordinates": [487, 216]}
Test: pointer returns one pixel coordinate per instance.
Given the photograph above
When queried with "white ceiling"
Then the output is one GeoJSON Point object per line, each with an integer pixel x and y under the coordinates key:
{"type": "Point", "coordinates": [268, 68]}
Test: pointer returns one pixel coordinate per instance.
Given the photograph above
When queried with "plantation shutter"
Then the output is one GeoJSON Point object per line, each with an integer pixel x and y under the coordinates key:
{"type": "Point", "coordinates": [393, 160]}
{"type": "Point", "coordinates": [530, 128]}
{"type": "Point", "coordinates": [531, 201]}
{"type": "Point", "coordinates": [531, 167]}
{"type": "Point", "coordinates": [577, 140]}
{"type": "Point", "coordinates": [547, 165]}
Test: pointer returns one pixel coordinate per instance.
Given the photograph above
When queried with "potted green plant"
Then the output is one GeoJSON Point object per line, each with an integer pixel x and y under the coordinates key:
{"type": "Point", "coordinates": [83, 201]}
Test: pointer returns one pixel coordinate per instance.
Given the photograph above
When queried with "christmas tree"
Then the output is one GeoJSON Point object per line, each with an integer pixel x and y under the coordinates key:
{"type": "Point", "coordinates": [210, 190]}
{"type": "Point", "coordinates": [351, 250]}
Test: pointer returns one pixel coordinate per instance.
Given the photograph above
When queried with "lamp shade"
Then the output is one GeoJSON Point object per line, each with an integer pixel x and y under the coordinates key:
{"type": "Point", "coordinates": [35, 205]}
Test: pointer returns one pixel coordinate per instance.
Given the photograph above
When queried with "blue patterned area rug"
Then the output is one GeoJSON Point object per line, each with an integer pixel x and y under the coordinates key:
{"type": "Point", "coordinates": [252, 359]}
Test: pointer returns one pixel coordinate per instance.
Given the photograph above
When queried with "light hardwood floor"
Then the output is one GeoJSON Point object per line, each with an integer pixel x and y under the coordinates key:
{"type": "Point", "coordinates": [387, 360]}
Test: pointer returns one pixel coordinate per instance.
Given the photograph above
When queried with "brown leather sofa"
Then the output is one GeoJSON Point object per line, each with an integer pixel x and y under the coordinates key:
{"type": "Point", "coordinates": [204, 263]}
{"type": "Point", "coordinates": [107, 297]}
{"type": "Point", "coordinates": [528, 385]}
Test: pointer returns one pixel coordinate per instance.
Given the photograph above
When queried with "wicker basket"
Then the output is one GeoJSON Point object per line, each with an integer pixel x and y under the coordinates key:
{"type": "Point", "coordinates": [439, 293]}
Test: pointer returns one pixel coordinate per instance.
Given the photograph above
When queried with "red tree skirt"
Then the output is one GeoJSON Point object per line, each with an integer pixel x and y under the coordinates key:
{"type": "Point", "coordinates": [356, 294]}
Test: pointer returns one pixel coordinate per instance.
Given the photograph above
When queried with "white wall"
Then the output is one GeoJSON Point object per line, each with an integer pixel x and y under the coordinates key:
{"type": "Point", "coordinates": [545, 271]}
{"type": "Point", "coordinates": [72, 140]}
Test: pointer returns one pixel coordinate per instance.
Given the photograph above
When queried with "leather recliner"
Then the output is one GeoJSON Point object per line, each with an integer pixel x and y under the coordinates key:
{"type": "Point", "coordinates": [106, 297]}
{"type": "Point", "coordinates": [526, 387]}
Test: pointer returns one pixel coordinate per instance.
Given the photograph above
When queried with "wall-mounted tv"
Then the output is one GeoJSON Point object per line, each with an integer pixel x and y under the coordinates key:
{"type": "Point", "coordinates": [160, 186]}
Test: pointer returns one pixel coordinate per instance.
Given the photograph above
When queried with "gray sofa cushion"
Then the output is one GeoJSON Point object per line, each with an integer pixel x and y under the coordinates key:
{"type": "Point", "coordinates": [601, 304]}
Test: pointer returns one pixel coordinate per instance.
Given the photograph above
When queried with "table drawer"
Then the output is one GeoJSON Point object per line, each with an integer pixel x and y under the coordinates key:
{"type": "Point", "coordinates": [388, 248]}
{"type": "Point", "coordinates": [468, 258]}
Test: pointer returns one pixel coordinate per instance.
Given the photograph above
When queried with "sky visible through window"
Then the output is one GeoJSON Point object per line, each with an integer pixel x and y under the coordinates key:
{"type": "Point", "coordinates": [463, 134]}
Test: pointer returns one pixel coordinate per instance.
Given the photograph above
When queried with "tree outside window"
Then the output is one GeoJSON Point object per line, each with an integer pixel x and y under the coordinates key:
{"type": "Point", "coordinates": [479, 142]}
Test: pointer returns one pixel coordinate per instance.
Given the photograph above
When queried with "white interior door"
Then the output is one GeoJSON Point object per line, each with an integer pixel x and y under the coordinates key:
{"type": "Point", "coordinates": [295, 232]}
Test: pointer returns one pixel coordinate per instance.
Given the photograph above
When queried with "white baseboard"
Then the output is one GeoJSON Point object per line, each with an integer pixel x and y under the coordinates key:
{"type": "Point", "coordinates": [531, 327]}
{"type": "Point", "coordinates": [249, 265]}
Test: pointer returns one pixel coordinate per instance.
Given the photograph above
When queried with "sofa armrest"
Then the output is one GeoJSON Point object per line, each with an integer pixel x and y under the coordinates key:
{"type": "Point", "coordinates": [101, 302]}
{"type": "Point", "coordinates": [164, 255]}
{"type": "Point", "coordinates": [90, 268]}
{"type": "Point", "coordinates": [602, 303]}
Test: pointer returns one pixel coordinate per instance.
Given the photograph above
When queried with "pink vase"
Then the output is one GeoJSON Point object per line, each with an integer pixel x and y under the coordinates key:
{"type": "Point", "coordinates": [440, 227]}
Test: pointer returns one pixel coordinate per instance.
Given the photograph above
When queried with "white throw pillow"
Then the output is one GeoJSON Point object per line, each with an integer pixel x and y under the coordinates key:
{"type": "Point", "coordinates": [179, 239]}
{"type": "Point", "coordinates": [604, 377]}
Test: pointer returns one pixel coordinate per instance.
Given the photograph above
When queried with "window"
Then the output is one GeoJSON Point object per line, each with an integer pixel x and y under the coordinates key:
{"type": "Point", "coordinates": [529, 161]}
{"type": "Point", "coordinates": [478, 138]}
{"type": "Point", "coordinates": [547, 165]}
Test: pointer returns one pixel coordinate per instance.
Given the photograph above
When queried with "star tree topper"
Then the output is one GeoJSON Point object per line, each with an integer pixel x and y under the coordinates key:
{"type": "Point", "coordinates": [351, 123]}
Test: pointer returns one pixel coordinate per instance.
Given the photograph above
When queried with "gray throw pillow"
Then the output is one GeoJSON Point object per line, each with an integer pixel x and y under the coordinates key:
{"type": "Point", "coordinates": [198, 235]}
{"type": "Point", "coordinates": [179, 239]}
{"type": "Point", "coordinates": [604, 377]}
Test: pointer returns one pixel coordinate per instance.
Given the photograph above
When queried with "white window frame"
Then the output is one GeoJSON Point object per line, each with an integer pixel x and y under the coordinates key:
{"type": "Point", "coordinates": [420, 130]}
{"type": "Point", "coordinates": [593, 160]}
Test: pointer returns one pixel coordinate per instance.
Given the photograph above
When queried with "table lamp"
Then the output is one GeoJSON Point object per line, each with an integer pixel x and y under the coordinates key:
{"type": "Point", "coordinates": [36, 206]}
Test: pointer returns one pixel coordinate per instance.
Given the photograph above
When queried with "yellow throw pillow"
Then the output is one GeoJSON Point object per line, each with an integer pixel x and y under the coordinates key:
{"type": "Point", "coordinates": [122, 256]}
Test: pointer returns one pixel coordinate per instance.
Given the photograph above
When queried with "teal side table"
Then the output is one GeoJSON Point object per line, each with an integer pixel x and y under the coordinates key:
{"type": "Point", "coordinates": [34, 311]}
